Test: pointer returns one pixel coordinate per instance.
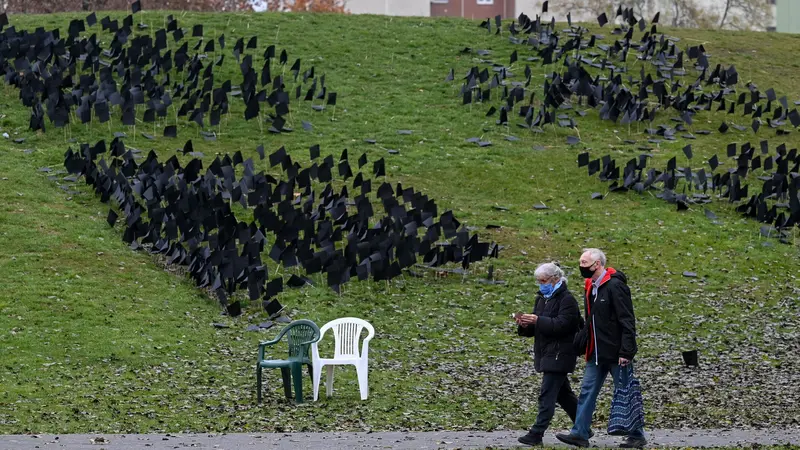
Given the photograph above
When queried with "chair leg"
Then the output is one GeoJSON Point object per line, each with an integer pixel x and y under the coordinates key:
{"type": "Point", "coordinates": [258, 382]}
{"type": "Point", "coordinates": [329, 381]}
{"type": "Point", "coordinates": [297, 376]}
{"type": "Point", "coordinates": [287, 382]}
{"type": "Point", "coordinates": [363, 386]}
{"type": "Point", "coordinates": [315, 378]}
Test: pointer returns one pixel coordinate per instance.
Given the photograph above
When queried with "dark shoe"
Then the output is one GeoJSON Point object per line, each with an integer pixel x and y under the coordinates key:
{"type": "Point", "coordinates": [634, 443]}
{"type": "Point", "coordinates": [532, 439]}
{"type": "Point", "coordinates": [573, 440]}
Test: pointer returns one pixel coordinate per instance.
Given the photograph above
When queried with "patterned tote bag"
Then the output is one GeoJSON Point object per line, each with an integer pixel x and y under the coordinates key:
{"type": "Point", "coordinates": [627, 406]}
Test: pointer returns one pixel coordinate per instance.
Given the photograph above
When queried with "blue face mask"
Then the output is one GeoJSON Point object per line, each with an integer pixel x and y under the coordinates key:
{"type": "Point", "coordinates": [548, 289]}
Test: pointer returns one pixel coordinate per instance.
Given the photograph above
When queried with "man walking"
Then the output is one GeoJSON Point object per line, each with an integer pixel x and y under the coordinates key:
{"type": "Point", "coordinates": [608, 339]}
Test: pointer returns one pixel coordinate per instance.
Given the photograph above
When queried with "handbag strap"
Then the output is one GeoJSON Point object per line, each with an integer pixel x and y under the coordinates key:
{"type": "Point", "coordinates": [627, 371]}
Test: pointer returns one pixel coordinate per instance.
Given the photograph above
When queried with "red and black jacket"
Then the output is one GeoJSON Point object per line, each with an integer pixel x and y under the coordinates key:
{"type": "Point", "coordinates": [610, 321]}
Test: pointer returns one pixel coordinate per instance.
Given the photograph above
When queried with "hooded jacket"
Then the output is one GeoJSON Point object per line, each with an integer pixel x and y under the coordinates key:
{"type": "Point", "coordinates": [559, 320]}
{"type": "Point", "coordinates": [610, 320]}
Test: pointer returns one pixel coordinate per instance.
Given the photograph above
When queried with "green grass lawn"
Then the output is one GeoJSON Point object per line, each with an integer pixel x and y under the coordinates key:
{"type": "Point", "coordinates": [98, 338]}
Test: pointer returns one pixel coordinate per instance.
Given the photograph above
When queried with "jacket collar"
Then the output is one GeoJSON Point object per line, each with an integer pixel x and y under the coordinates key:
{"type": "Point", "coordinates": [560, 290]}
{"type": "Point", "coordinates": [588, 282]}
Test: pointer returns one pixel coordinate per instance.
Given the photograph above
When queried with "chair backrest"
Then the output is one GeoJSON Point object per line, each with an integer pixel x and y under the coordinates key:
{"type": "Point", "coordinates": [347, 333]}
{"type": "Point", "coordinates": [301, 331]}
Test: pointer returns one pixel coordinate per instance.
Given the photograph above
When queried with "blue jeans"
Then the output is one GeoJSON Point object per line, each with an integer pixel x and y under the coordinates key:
{"type": "Point", "coordinates": [593, 379]}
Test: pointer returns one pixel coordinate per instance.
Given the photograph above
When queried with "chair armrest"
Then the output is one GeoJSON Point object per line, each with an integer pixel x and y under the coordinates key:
{"type": "Point", "coordinates": [365, 343]}
{"type": "Point", "coordinates": [272, 342]}
{"type": "Point", "coordinates": [365, 347]}
{"type": "Point", "coordinates": [262, 345]}
{"type": "Point", "coordinates": [277, 339]}
{"type": "Point", "coordinates": [311, 341]}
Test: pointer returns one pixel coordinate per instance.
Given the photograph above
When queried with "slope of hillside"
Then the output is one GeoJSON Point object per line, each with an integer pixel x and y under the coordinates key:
{"type": "Point", "coordinates": [98, 337]}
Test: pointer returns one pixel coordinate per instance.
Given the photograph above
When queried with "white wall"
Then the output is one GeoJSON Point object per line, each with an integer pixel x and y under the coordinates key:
{"type": "Point", "coordinates": [529, 7]}
{"type": "Point", "coordinates": [533, 7]}
{"type": "Point", "coordinates": [390, 7]}
{"type": "Point", "coordinates": [409, 7]}
{"type": "Point", "coordinates": [366, 6]}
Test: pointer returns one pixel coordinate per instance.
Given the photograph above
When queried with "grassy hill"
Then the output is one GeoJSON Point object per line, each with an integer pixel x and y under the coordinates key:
{"type": "Point", "coordinates": [97, 337]}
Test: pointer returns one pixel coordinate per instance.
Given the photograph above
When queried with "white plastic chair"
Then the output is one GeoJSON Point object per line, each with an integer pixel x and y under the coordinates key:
{"type": "Point", "coordinates": [346, 332]}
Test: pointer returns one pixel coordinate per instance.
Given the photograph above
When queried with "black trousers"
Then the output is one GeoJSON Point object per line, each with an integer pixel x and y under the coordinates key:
{"type": "Point", "coordinates": [555, 388]}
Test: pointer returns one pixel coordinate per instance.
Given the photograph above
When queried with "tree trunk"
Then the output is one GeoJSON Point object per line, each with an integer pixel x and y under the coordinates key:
{"type": "Point", "coordinates": [725, 14]}
{"type": "Point", "coordinates": [675, 18]}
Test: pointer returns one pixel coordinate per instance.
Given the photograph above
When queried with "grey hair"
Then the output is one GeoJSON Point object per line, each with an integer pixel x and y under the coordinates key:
{"type": "Point", "coordinates": [596, 255]}
{"type": "Point", "coordinates": [549, 270]}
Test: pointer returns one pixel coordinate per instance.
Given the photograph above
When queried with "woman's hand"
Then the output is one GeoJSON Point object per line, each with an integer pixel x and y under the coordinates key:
{"type": "Point", "coordinates": [527, 319]}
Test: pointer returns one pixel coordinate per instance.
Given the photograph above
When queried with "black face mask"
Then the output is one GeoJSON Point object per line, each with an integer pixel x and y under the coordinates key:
{"type": "Point", "coordinates": [587, 272]}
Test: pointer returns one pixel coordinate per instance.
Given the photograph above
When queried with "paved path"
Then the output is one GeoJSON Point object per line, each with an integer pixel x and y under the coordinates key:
{"type": "Point", "coordinates": [389, 440]}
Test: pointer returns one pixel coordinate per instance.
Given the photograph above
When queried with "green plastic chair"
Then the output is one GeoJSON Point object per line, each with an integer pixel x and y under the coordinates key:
{"type": "Point", "coordinates": [302, 333]}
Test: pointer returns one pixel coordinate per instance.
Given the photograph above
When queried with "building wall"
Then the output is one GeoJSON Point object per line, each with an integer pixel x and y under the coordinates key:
{"type": "Point", "coordinates": [409, 7]}
{"type": "Point", "coordinates": [450, 8]}
{"type": "Point", "coordinates": [366, 6]}
{"type": "Point", "coordinates": [787, 13]}
{"type": "Point", "coordinates": [533, 7]}
{"type": "Point", "coordinates": [470, 9]}
{"type": "Point", "coordinates": [390, 7]}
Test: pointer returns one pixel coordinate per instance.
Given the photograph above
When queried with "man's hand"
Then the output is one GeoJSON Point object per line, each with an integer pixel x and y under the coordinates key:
{"type": "Point", "coordinates": [624, 362]}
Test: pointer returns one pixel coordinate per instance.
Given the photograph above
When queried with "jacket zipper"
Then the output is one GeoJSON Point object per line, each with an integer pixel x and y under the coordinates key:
{"type": "Point", "coordinates": [594, 330]}
{"type": "Point", "coordinates": [558, 351]}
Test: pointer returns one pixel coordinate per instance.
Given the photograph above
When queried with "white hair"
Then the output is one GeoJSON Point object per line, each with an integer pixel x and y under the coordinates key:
{"type": "Point", "coordinates": [549, 270]}
{"type": "Point", "coordinates": [596, 255]}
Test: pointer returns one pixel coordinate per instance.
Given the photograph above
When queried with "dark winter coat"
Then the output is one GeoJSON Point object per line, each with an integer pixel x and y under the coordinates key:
{"type": "Point", "coordinates": [554, 333]}
{"type": "Point", "coordinates": [610, 321]}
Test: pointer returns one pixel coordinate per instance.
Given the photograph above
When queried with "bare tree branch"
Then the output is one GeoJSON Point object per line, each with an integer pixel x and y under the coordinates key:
{"type": "Point", "coordinates": [749, 15]}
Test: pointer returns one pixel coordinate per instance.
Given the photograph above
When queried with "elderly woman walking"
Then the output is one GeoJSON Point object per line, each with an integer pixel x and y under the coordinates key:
{"type": "Point", "coordinates": [555, 320]}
